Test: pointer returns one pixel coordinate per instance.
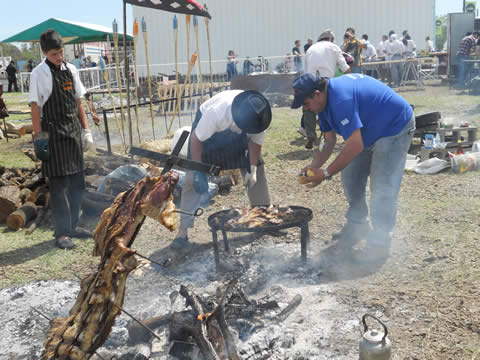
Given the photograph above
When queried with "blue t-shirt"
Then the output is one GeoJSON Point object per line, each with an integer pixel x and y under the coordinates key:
{"type": "Point", "coordinates": [357, 101]}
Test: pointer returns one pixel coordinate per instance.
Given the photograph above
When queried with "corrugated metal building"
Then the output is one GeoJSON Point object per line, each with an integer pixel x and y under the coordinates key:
{"type": "Point", "coordinates": [270, 27]}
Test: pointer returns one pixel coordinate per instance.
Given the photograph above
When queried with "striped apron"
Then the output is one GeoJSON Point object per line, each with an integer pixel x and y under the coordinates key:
{"type": "Point", "coordinates": [60, 120]}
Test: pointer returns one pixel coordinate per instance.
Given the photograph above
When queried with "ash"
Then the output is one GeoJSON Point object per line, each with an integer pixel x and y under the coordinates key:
{"type": "Point", "coordinates": [319, 328]}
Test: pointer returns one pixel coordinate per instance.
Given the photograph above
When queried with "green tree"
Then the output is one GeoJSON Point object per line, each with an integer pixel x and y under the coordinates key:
{"type": "Point", "coordinates": [11, 50]}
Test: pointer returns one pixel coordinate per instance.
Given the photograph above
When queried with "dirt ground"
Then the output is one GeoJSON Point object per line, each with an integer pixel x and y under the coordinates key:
{"type": "Point", "coordinates": [427, 292]}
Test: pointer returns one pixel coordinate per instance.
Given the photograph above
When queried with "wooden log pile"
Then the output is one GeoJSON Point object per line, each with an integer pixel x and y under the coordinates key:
{"type": "Point", "coordinates": [23, 197]}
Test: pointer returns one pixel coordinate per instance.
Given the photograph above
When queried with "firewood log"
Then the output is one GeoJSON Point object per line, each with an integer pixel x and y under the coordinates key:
{"type": "Point", "coordinates": [40, 195]}
{"type": "Point", "coordinates": [20, 217]}
{"type": "Point", "coordinates": [31, 154]}
{"type": "Point", "coordinates": [33, 182]}
{"type": "Point", "coordinates": [25, 194]}
{"type": "Point", "coordinates": [14, 129]}
{"type": "Point", "coordinates": [9, 201]}
{"type": "Point", "coordinates": [42, 210]}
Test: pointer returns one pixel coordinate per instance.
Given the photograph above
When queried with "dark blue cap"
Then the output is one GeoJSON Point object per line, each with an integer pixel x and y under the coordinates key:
{"type": "Point", "coordinates": [304, 86]}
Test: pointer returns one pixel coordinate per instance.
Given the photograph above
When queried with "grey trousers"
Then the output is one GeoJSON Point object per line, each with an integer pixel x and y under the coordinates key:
{"type": "Point", "coordinates": [66, 194]}
{"type": "Point", "coordinates": [310, 123]}
{"type": "Point", "coordinates": [191, 200]}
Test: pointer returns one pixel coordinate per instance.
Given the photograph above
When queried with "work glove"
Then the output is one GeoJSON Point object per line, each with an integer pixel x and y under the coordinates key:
{"type": "Point", "coordinates": [40, 146]}
{"type": "Point", "coordinates": [250, 178]}
{"type": "Point", "coordinates": [200, 182]}
{"type": "Point", "coordinates": [87, 140]}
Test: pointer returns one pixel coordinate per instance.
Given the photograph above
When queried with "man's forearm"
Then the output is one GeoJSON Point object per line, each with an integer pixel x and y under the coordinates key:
{"type": "Point", "coordinates": [254, 151]}
{"type": "Point", "coordinates": [322, 156]}
{"type": "Point", "coordinates": [195, 147]}
{"type": "Point", "coordinates": [353, 147]}
{"type": "Point", "coordinates": [81, 114]}
{"type": "Point", "coordinates": [36, 126]}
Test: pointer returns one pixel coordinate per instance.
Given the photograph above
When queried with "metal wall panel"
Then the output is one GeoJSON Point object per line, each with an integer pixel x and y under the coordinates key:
{"type": "Point", "coordinates": [270, 27]}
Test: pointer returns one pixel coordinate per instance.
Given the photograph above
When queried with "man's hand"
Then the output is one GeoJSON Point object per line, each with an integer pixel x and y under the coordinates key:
{"type": "Point", "coordinates": [250, 178]}
{"type": "Point", "coordinates": [87, 140]}
{"type": "Point", "coordinates": [314, 176]}
{"type": "Point", "coordinates": [200, 182]}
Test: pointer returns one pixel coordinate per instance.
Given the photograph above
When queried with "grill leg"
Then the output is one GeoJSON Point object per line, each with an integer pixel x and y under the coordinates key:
{"type": "Point", "coordinates": [225, 241]}
{"type": "Point", "coordinates": [304, 239]}
{"type": "Point", "coordinates": [215, 248]}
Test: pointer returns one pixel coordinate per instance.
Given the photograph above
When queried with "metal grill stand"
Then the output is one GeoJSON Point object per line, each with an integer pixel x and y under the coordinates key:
{"type": "Point", "coordinates": [216, 225]}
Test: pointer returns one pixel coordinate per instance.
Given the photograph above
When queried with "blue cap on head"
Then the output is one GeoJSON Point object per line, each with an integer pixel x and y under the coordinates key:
{"type": "Point", "coordinates": [304, 86]}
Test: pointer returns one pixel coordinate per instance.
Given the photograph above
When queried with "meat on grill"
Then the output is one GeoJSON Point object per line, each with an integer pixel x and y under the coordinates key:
{"type": "Point", "coordinates": [101, 295]}
{"type": "Point", "coordinates": [260, 215]}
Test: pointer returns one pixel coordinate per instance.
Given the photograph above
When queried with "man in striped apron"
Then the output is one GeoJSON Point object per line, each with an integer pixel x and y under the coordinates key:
{"type": "Point", "coordinates": [60, 135]}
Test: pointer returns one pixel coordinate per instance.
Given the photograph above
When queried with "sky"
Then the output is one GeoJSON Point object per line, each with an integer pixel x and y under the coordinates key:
{"type": "Point", "coordinates": [28, 13]}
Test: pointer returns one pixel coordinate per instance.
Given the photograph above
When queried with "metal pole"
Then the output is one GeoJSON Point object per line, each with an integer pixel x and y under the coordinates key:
{"type": "Point", "coordinates": [464, 5]}
{"type": "Point", "coordinates": [127, 72]}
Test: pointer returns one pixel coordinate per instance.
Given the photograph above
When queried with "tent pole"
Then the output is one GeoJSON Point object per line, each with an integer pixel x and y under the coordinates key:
{"type": "Point", "coordinates": [127, 72]}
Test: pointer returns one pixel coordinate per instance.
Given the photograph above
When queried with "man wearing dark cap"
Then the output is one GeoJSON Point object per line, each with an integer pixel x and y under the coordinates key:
{"type": "Point", "coordinates": [228, 131]}
{"type": "Point", "coordinates": [377, 125]}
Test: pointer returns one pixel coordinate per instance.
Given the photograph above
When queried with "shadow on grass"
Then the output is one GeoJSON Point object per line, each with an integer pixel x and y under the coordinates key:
{"type": "Point", "coordinates": [22, 255]}
{"type": "Point", "coordinates": [299, 141]}
{"type": "Point", "coordinates": [296, 155]}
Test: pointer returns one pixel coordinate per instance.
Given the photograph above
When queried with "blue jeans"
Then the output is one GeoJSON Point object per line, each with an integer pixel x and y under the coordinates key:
{"type": "Point", "coordinates": [461, 69]}
{"type": "Point", "coordinates": [397, 70]}
{"type": "Point", "coordinates": [384, 162]}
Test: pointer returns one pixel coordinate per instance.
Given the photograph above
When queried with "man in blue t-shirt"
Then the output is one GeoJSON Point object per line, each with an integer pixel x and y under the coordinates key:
{"type": "Point", "coordinates": [377, 125]}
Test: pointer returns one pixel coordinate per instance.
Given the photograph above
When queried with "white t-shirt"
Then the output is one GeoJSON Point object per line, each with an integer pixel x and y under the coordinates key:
{"type": "Point", "coordinates": [217, 117]}
{"type": "Point", "coordinates": [429, 47]}
{"type": "Point", "coordinates": [369, 54]}
{"type": "Point", "coordinates": [410, 48]}
{"type": "Point", "coordinates": [323, 58]}
{"type": "Point", "coordinates": [41, 84]}
{"type": "Point", "coordinates": [393, 47]}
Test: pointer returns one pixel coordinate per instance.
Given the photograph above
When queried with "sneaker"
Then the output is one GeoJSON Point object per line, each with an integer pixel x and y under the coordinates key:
{"type": "Point", "coordinates": [310, 142]}
{"type": "Point", "coordinates": [302, 131]}
{"type": "Point", "coordinates": [180, 243]}
{"type": "Point", "coordinates": [352, 233]}
{"type": "Point", "coordinates": [64, 242]}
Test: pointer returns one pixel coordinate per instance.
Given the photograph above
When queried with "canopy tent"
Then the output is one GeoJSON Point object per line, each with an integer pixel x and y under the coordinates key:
{"type": "Point", "coordinates": [71, 32]}
{"type": "Point", "coordinates": [191, 7]}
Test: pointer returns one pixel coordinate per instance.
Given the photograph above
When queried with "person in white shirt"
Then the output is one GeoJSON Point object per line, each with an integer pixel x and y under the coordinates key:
{"type": "Point", "coordinates": [228, 131]}
{"type": "Point", "coordinates": [322, 59]}
{"type": "Point", "coordinates": [383, 70]}
{"type": "Point", "coordinates": [369, 54]}
{"type": "Point", "coordinates": [60, 135]}
{"type": "Point", "coordinates": [394, 52]}
{"type": "Point", "coordinates": [410, 47]}
{"type": "Point", "coordinates": [429, 45]}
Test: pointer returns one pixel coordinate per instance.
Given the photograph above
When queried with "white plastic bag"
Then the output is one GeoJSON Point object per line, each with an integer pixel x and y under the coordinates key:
{"type": "Point", "coordinates": [431, 166]}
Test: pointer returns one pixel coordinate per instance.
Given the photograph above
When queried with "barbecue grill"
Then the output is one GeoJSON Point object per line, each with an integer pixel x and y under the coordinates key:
{"type": "Point", "coordinates": [219, 222]}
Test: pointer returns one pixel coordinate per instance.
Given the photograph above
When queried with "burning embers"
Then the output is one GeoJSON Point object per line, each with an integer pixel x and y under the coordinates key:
{"type": "Point", "coordinates": [205, 327]}
{"type": "Point", "coordinates": [100, 300]}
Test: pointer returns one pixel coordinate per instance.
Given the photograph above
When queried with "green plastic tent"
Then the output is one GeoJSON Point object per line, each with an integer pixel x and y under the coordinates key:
{"type": "Point", "coordinates": [71, 32]}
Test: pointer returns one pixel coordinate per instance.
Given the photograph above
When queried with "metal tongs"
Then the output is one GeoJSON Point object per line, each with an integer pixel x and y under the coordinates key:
{"type": "Point", "coordinates": [196, 213]}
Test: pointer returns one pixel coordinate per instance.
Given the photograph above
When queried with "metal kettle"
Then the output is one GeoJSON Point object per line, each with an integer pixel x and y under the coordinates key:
{"type": "Point", "coordinates": [375, 345]}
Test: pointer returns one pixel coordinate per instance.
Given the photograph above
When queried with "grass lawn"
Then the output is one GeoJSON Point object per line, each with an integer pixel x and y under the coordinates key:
{"type": "Point", "coordinates": [28, 258]}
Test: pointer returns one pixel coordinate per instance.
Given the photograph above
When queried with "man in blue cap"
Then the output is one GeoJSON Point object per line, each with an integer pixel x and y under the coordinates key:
{"type": "Point", "coordinates": [228, 131]}
{"type": "Point", "coordinates": [377, 125]}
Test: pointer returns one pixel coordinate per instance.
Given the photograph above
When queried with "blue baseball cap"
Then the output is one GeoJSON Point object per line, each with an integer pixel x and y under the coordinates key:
{"type": "Point", "coordinates": [304, 86]}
